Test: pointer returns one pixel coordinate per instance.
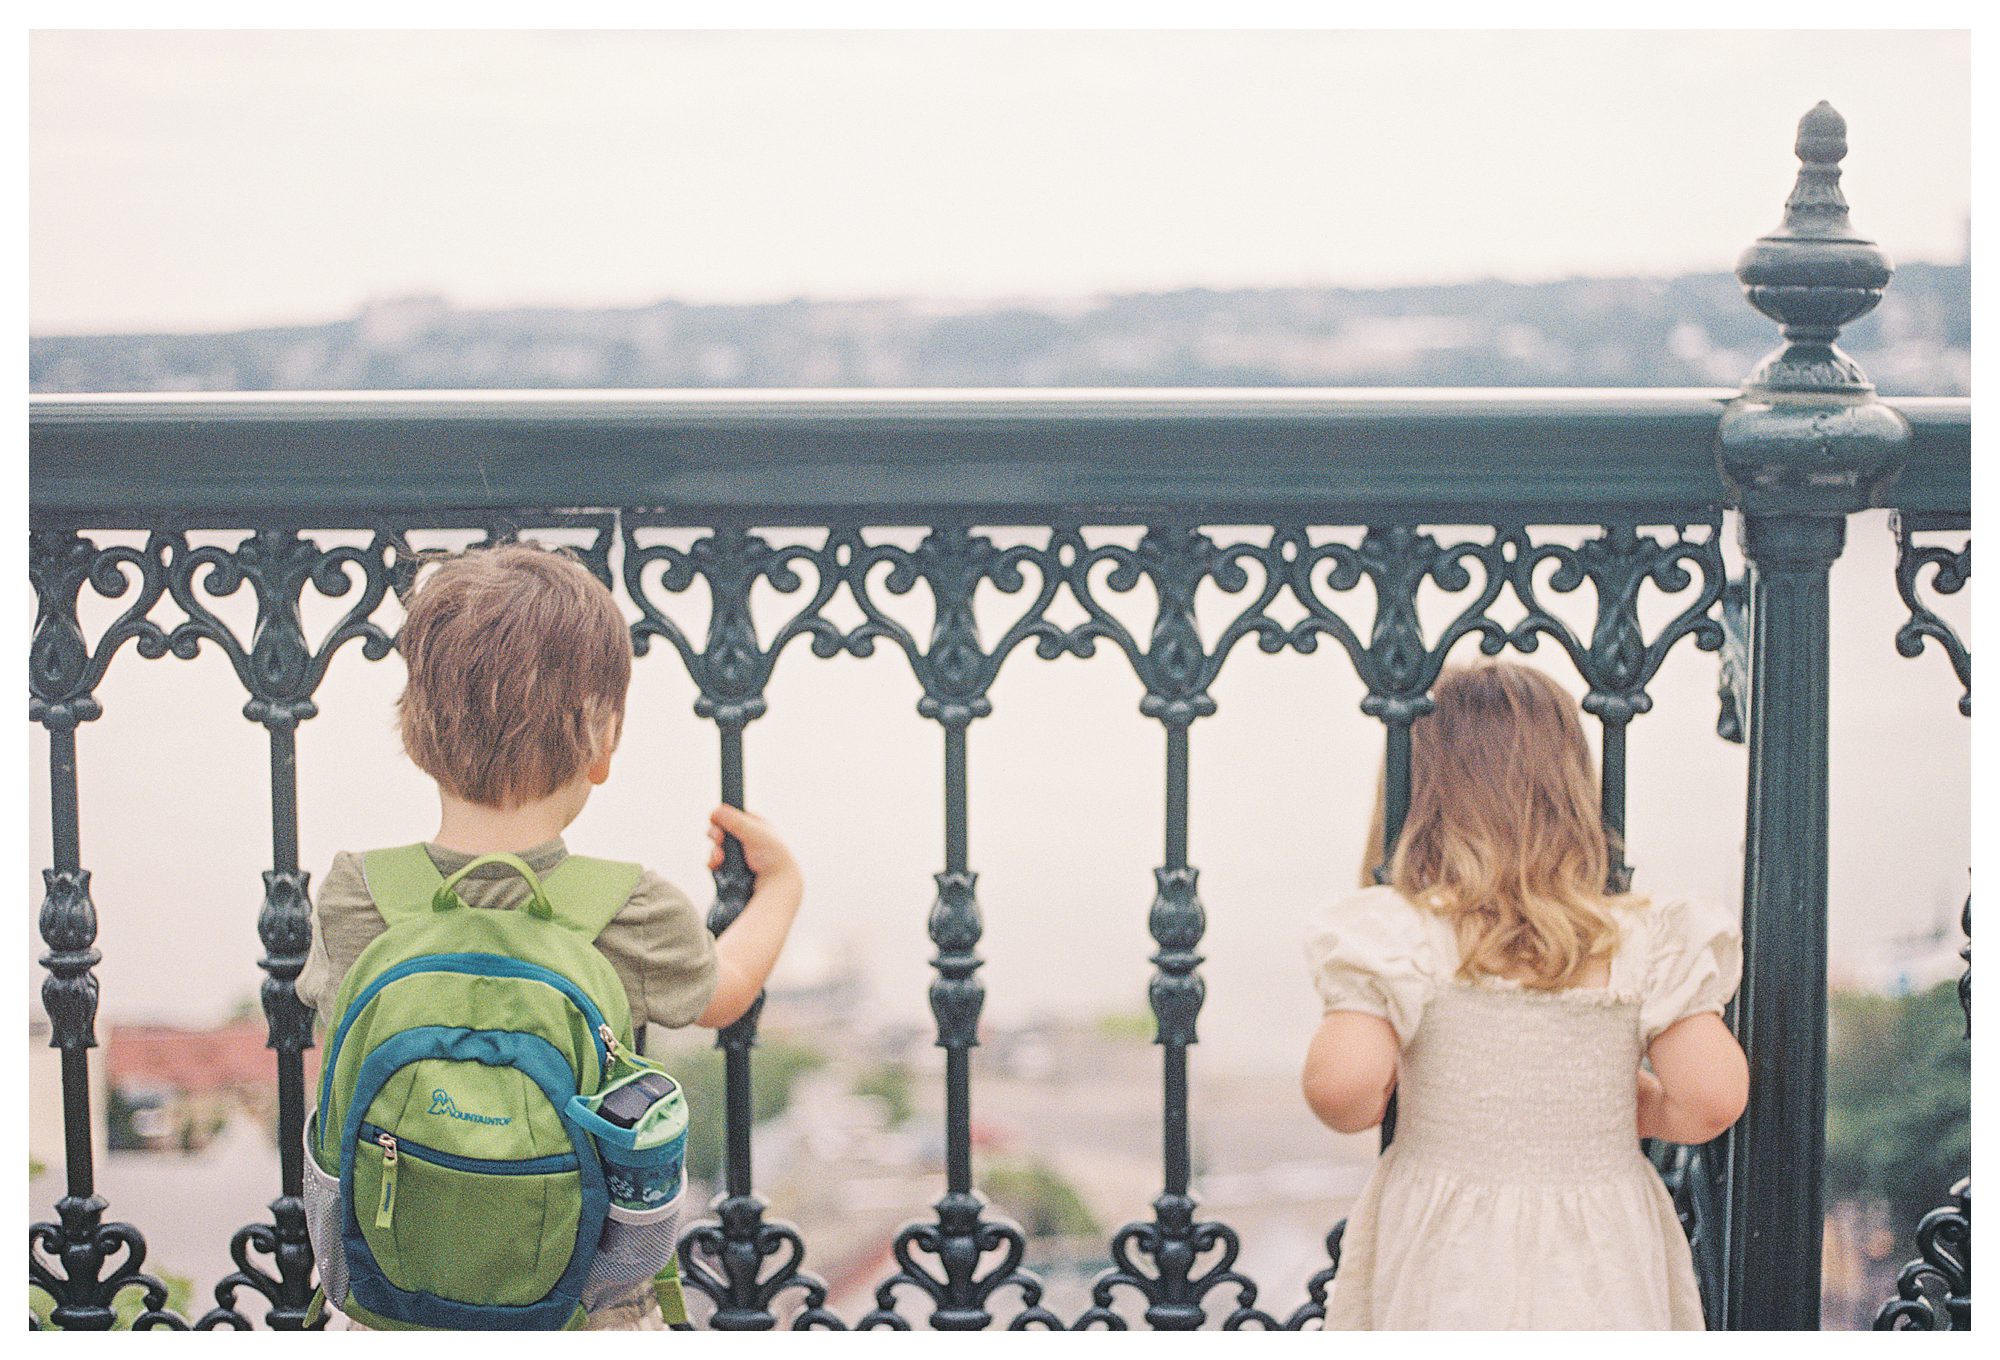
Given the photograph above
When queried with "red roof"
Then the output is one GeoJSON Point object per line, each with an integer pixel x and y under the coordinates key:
{"type": "Point", "coordinates": [195, 1061]}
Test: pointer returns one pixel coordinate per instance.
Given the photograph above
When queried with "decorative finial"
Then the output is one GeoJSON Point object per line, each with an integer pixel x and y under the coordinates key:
{"type": "Point", "coordinates": [1813, 273]}
{"type": "Point", "coordinates": [1807, 435]}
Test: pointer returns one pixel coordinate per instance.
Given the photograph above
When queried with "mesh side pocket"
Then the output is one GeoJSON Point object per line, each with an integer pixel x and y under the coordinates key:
{"type": "Point", "coordinates": [636, 1246]}
{"type": "Point", "coordinates": [323, 1227]}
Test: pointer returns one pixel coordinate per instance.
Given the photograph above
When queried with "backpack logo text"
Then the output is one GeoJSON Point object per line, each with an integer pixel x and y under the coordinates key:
{"type": "Point", "coordinates": [442, 1103]}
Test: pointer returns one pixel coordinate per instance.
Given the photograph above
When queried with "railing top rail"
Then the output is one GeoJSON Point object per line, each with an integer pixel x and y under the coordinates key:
{"type": "Point", "coordinates": [991, 455]}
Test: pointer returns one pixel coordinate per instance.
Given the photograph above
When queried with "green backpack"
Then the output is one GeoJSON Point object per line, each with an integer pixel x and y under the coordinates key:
{"type": "Point", "coordinates": [453, 1179]}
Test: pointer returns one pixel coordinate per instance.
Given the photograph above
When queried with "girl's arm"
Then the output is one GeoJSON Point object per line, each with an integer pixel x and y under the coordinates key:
{"type": "Point", "coordinates": [1699, 1084]}
{"type": "Point", "coordinates": [1351, 1070]}
{"type": "Point", "coordinates": [747, 949]}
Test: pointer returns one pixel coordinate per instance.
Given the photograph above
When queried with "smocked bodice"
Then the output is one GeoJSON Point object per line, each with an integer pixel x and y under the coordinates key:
{"type": "Point", "coordinates": [1503, 1083]}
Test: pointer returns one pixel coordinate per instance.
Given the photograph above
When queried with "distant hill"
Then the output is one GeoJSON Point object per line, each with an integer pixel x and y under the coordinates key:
{"type": "Point", "coordinates": [1692, 330]}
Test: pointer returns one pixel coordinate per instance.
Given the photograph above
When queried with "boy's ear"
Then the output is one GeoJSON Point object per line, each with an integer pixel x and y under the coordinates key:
{"type": "Point", "coordinates": [599, 769]}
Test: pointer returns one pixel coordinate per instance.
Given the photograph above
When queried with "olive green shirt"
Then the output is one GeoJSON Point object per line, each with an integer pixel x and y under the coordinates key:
{"type": "Point", "coordinates": [657, 943]}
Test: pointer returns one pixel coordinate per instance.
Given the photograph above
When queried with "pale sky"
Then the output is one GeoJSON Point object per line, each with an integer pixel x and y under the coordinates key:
{"type": "Point", "coordinates": [209, 180]}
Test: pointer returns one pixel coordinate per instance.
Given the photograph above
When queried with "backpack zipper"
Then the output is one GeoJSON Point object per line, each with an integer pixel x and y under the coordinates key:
{"type": "Point", "coordinates": [385, 1208]}
{"type": "Point", "coordinates": [452, 1161]}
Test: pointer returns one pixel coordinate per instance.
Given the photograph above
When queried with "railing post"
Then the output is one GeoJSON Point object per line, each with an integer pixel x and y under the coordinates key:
{"type": "Point", "coordinates": [1806, 444]}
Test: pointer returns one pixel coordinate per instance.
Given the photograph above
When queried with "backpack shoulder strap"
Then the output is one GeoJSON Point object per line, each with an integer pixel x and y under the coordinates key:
{"type": "Point", "coordinates": [586, 893]}
{"type": "Point", "coordinates": [401, 880]}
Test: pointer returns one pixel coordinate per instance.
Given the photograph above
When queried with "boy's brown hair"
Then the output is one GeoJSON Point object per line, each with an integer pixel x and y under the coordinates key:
{"type": "Point", "coordinates": [517, 658]}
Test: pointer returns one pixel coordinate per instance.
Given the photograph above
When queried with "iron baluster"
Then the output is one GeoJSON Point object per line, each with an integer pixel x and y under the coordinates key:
{"type": "Point", "coordinates": [1617, 661]}
{"type": "Point", "coordinates": [956, 672]}
{"type": "Point", "coordinates": [281, 669]}
{"type": "Point", "coordinates": [723, 1259]}
{"type": "Point", "coordinates": [1176, 669]}
{"type": "Point", "coordinates": [81, 1262]}
{"type": "Point", "coordinates": [1934, 1291]}
{"type": "Point", "coordinates": [1396, 664]}
{"type": "Point", "coordinates": [1806, 444]}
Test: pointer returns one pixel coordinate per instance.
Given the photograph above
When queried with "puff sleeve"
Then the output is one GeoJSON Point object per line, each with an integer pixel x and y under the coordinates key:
{"type": "Point", "coordinates": [1694, 963]}
{"type": "Point", "coordinates": [1375, 953]}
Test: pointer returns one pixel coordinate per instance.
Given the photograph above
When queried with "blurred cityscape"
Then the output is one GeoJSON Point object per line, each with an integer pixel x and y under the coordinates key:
{"type": "Point", "coordinates": [1693, 330]}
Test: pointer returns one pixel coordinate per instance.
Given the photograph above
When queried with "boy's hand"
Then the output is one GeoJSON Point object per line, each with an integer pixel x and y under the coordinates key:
{"type": "Point", "coordinates": [747, 948]}
{"type": "Point", "coordinates": [762, 850]}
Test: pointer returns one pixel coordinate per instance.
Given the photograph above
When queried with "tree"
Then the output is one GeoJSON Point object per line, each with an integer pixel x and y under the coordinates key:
{"type": "Point", "coordinates": [1898, 1124]}
{"type": "Point", "coordinates": [889, 1083]}
{"type": "Point", "coordinates": [1040, 1198]}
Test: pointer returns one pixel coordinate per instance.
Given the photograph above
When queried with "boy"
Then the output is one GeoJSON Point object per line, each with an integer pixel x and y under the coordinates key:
{"type": "Point", "coordinates": [519, 662]}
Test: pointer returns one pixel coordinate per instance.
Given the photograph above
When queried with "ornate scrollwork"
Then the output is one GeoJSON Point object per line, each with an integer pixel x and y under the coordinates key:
{"type": "Point", "coordinates": [1617, 661]}
{"type": "Point", "coordinates": [1396, 664]}
{"type": "Point", "coordinates": [64, 667]}
{"type": "Point", "coordinates": [1950, 570]}
{"type": "Point", "coordinates": [1314, 1308]}
{"type": "Point", "coordinates": [733, 667]}
{"type": "Point", "coordinates": [1934, 1292]}
{"type": "Point", "coordinates": [83, 1293]}
{"type": "Point", "coordinates": [956, 671]}
{"type": "Point", "coordinates": [1177, 668]}
{"type": "Point", "coordinates": [68, 1259]}
{"type": "Point", "coordinates": [1173, 1290]}
{"type": "Point", "coordinates": [1174, 664]}
{"type": "Point", "coordinates": [286, 1245]}
{"type": "Point", "coordinates": [958, 1242]}
{"type": "Point", "coordinates": [280, 668]}
{"type": "Point", "coordinates": [730, 672]}
{"type": "Point", "coordinates": [740, 1241]}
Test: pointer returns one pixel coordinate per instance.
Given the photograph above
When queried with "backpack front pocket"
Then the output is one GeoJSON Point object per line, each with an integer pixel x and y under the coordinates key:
{"type": "Point", "coordinates": [467, 1201]}
{"type": "Point", "coordinates": [434, 1220]}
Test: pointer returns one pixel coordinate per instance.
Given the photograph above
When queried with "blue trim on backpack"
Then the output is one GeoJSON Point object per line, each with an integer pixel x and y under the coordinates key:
{"type": "Point", "coordinates": [542, 1063]}
{"type": "Point", "coordinates": [476, 965]}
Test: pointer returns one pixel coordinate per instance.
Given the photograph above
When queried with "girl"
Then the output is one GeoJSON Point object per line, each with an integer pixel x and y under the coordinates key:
{"type": "Point", "coordinates": [1497, 985]}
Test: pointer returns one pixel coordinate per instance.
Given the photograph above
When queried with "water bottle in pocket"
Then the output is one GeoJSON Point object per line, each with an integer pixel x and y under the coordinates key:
{"type": "Point", "coordinates": [640, 1126]}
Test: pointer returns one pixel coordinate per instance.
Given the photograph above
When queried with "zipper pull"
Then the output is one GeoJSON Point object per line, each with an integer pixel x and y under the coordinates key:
{"type": "Point", "coordinates": [610, 1041]}
{"type": "Point", "coordinates": [385, 1210]}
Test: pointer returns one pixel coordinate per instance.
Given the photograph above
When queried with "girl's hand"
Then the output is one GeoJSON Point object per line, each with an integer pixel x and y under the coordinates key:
{"type": "Point", "coordinates": [762, 850]}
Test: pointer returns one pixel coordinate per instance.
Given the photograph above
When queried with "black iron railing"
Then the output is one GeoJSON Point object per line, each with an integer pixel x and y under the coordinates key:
{"type": "Point", "coordinates": [706, 495]}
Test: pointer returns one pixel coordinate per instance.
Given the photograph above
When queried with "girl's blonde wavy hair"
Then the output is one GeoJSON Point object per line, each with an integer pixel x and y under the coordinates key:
{"type": "Point", "coordinates": [1505, 835]}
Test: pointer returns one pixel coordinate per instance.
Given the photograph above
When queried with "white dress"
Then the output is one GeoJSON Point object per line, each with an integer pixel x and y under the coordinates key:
{"type": "Point", "coordinates": [1515, 1194]}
